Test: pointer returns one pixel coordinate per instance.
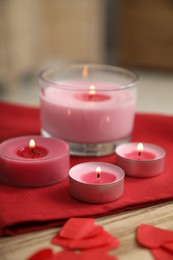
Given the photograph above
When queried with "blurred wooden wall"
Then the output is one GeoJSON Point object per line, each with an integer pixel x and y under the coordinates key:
{"type": "Point", "coordinates": [36, 33]}
{"type": "Point", "coordinates": [145, 36]}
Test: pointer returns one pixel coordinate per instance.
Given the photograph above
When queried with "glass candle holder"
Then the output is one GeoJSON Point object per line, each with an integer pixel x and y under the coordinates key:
{"type": "Point", "coordinates": [92, 107]}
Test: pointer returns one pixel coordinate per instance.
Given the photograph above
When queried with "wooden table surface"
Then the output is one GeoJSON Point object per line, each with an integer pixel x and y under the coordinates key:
{"type": "Point", "coordinates": [122, 225]}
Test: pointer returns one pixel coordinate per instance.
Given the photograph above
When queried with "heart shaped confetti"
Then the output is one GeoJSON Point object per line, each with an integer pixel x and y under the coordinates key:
{"type": "Point", "coordinates": [80, 233]}
{"type": "Point", "coordinates": [161, 254]}
{"type": "Point", "coordinates": [67, 255]}
{"type": "Point", "coordinates": [44, 254]}
{"type": "Point", "coordinates": [168, 246]}
{"type": "Point", "coordinates": [153, 237]}
{"type": "Point", "coordinates": [103, 239]}
{"type": "Point", "coordinates": [83, 233]}
{"type": "Point", "coordinates": [77, 228]}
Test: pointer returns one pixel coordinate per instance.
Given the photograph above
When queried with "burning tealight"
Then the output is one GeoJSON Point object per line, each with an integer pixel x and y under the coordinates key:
{"type": "Point", "coordinates": [96, 182]}
{"type": "Point", "coordinates": [33, 161]}
{"type": "Point", "coordinates": [140, 160]}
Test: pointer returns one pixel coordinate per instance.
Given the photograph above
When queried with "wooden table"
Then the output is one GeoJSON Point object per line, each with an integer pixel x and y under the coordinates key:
{"type": "Point", "coordinates": [122, 225]}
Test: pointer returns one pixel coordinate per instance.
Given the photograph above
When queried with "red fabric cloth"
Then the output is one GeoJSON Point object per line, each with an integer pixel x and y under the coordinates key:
{"type": "Point", "coordinates": [27, 209]}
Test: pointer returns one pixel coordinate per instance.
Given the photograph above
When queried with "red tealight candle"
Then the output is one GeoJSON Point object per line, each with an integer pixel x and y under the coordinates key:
{"type": "Point", "coordinates": [43, 162]}
{"type": "Point", "coordinates": [96, 184]}
{"type": "Point", "coordinates": [140, 160]}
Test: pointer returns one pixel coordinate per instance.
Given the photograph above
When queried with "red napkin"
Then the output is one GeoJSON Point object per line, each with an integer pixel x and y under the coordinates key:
{"type": "Point", "coordinates": [159, 241]}
{"type": "Point", "coordinates": [18, 120]}
{"type": "Point", "coordinates": [27, 209]}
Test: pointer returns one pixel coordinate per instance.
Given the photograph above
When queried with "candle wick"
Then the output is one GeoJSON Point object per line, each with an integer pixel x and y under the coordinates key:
{"type": "Point", "coordinates": [32, 152]}
{"type": "Point", "coordinates": [98, 175]}
{"type": "Point", "coordinates": [139, 153]}
{"type": "Point", "coordinates": [90, 96]}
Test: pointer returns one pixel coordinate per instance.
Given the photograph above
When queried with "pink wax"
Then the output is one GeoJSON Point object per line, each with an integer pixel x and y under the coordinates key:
{"type": "Point", "coordinates": [147, 163]}
{"type": "Point", "coordinates": [88, 186]}
{"type": "Point", "coordinates": [92, 178]}
{"type": "Point", "coordinates": [66, 114]}
{"type": "Point", "coordinates": [35, 153]}
{"type": "Point", "coordinates": [46, 164]}
{"type": "Point", "coordinates": [91, 98]}
{"type": "Point", "coordinates": [144, 155]}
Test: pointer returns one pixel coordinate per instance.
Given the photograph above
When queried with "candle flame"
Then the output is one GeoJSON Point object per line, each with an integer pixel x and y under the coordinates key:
{"type": "Point", "coordinates": [140, 147]}
{"type": "Point", "coordinates": [92, 90]}
{"type": "Point", "coordinates": [85, 72]}
{"type": "Point", "coordinates": [98, 171]}
{"type": "Point", "coordinates": [32, 144]}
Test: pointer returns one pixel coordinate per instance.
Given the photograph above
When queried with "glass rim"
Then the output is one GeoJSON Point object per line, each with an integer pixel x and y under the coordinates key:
{"type": "Point", "coordinates": [120, 86]}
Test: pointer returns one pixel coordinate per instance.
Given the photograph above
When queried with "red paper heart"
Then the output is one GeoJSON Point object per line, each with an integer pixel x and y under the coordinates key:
{"type": "Point", "coordinates": [77, 228]}
{"type": "Point", "coordinates": [153, 237]}
{"type": "Point", "coordinates": [44, 254]}
{"type": "Point", "coordinates": [103, 239]}
{"type": "Point", "coordinates": [67, 255]}
{"type": "Point", "coordinates": [161, 254]}
{"type": "Point", "coordinates": [168, 246]}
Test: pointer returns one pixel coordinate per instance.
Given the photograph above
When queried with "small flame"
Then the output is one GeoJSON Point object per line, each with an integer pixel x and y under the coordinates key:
{"type": "Point", "coordinates": [92, 90]}
{"type": "Point", "coordinates": [140, 147]}
{"type": "Point", "coordinates": [32, 144]}
{"type": "Point", "coordinates": [98, 171]}
{"type": "Point", "coordinates": [85, 72]}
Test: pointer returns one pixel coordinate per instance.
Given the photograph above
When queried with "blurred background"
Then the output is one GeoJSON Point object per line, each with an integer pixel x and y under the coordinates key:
{"type": "Point", "coordinates": [135, 34]}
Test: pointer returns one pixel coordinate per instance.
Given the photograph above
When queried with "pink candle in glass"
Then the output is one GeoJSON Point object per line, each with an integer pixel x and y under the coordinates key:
{"type": "Point", "coordinates": [140, 160]}
{"type": "Point", "coordinates": [32, 161]}
{"type": "Point", "coordinates": [96, 182]}
{"type": "Point", "coordinates": [92, 107]}
{"type": "Point", "coordinates": [87, 118]}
